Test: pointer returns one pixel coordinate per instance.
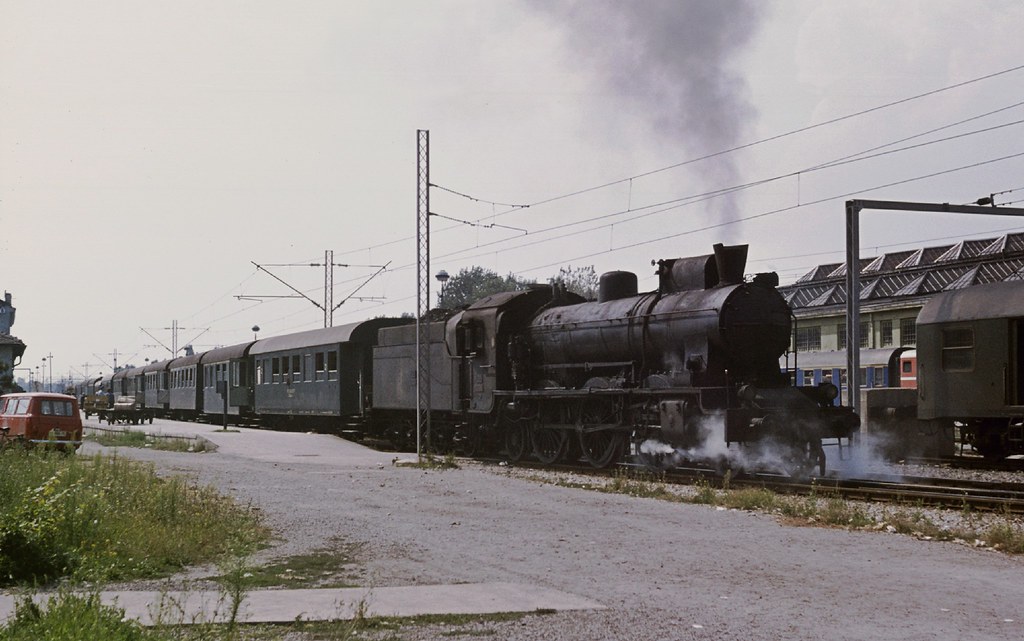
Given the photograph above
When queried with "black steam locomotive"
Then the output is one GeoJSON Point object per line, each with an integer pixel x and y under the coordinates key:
{"type": "Point", "coordinates": [689, 371]}
{"type": "Point", "coordinates": [683, 372]}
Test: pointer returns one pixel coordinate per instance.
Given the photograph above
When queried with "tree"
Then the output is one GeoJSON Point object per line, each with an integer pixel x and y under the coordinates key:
{"type": "Point", "coordinates": [7, 384]}
{"type": "Point", "coordinates": [473, 283]}
{"type": "Point", "coordinates": [579, 280]}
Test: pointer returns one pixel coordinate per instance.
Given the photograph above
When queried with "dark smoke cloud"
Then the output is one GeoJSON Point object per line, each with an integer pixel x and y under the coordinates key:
{"type": "Point", "coordinates": [670, 61]}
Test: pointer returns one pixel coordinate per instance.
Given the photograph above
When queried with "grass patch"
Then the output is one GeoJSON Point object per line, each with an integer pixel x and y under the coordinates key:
{"type": "Point", "coordinates": [330, 568]}
{"type": "Point", "coordinates": [107, 518]}
{"type": "Point", "coordinates": [430, 461]}
{"type": "Point", "coordinates": [71, 617]}
{"type": "Point", "coordinates": [134, 438]}
{"type": "Point", "coordinates": [389, 628]}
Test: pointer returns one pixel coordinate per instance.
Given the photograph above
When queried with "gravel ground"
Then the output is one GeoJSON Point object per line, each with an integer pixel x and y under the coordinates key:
{"type": "Point", "coordinates": [665, 570]}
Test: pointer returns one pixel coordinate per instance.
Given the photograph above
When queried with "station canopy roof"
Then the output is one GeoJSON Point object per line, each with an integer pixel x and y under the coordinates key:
{"type": "Point", "coordinates": [913, 273]}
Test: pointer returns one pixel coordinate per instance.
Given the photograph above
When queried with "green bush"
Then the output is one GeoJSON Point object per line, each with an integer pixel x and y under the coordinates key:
{"type": "Point", "coordinates": [108, 518]}
{"type": "Point", "coordinates": [71, 617]}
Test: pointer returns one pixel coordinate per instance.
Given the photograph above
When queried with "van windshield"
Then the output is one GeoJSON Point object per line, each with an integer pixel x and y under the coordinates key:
{"type": "Point", "coordinates": [20, 406]}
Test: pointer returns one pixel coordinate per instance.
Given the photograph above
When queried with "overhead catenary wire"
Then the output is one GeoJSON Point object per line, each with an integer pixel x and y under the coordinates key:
{"type": "Point", "coordinates": [833, 198]}
{"type": "Point", "coordinates": [699, 198]}
{"type": "Point", "coordinates": [761, 141]}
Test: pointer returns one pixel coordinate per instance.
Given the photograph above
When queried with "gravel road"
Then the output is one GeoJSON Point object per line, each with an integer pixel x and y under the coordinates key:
{"type": "Point", "coordinates": [665, 570]}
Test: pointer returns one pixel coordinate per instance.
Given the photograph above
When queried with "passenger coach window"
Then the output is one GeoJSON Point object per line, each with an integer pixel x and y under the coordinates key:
{"type": "Point", "coordinates": [958, 350]}
{"type": "Point", "coordinates": [321, 366]}
{"type": "Point", "coordinates": [332, 366]}
{"type": "Point", "coordinates": [277, 370]}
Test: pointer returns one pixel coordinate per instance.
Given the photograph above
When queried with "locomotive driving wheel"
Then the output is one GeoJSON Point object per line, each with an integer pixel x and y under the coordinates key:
{"type": "Point", "coordinates": [517, 441]}
{"type": "Point", "coordinates": [515, 433]}
{"type": "Point", "coordinates": [600, 443]}
{"type": "Point", "coordinates": [549, 444]}
{"type": "Point", "coordinates": [805, 458]}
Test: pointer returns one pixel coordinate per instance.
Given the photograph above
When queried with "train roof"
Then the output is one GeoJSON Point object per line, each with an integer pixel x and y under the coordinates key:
{"type": "Point", "coordinates": [184, 361]}
{"type": "Point", "coordinates": [156, 366]}
{"type": "Point", "coordinates": [994, 300]}
{"type": "Point", "coordinates": [362, 332]}
{"type": "Point", "coordinates": [222, 354]}
{"type": "Point", "coordinates": [837, 358]}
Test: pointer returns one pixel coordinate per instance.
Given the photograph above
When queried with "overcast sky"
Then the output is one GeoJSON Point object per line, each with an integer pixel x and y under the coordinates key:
{"type": "Point", "coordinates": [150, 152]}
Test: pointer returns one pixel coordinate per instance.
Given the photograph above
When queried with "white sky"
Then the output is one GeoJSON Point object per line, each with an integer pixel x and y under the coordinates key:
{"type": "Point", "coordinates": [150, 150]}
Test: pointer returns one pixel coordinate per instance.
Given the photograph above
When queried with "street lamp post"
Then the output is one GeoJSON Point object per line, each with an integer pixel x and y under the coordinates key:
{"type": "Point", "coordinates": [48, 357]}
{"type": "Point", "coordinates": [442, 277]}
{"type": "Point", "coordinates": [255, 331]}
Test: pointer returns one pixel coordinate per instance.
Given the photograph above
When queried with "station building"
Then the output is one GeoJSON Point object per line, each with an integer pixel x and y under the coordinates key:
{"type": "Point", "coordinates": [894, 288]}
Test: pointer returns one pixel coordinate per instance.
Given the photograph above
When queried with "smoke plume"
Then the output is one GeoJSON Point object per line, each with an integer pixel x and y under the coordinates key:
{"type": "Point", "coordinates": [670, 61]}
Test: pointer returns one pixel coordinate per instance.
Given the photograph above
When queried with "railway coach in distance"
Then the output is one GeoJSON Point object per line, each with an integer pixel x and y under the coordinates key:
{"type": "Point", "coordinates": [970, 358]}
{"type": "Point", "coordinates": [323, 376]}
{"type": "Point", "coordinates": [228, 375]}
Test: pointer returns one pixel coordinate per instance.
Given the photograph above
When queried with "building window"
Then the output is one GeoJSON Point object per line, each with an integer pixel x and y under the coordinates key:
{"type": "Point", "coordinates": [808, 339]}
{"type": "Point", "coordinates": [885, 329]}
{"type": "Point", "coordinates": [958, 350]}
{"type": "Point", "coordinates": [865, 334]}
{"type": "Point", "coordinates": [908, 332]}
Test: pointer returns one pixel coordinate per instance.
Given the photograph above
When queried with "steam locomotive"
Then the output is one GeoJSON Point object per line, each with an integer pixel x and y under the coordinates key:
{"type": "Point", "coordinates": [689, 371]}
{"type": "Point", "coordinates": [683, 372]}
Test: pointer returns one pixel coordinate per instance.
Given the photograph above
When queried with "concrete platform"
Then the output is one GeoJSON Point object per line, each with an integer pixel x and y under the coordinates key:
{"type": "Point", "coordinates": [285, 606]}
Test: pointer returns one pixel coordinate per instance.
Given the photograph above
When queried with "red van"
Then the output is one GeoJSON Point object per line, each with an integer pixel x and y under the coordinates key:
{"type": "Point", "coordinates": [41, 417]}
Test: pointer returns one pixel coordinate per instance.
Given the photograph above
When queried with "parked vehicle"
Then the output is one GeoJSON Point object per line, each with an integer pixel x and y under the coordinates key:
{"type": "Point", "coordinates": [35, 418]}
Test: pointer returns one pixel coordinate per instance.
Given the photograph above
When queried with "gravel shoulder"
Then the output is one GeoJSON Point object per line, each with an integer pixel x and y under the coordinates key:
{"type": "Point", "coordinates": [665, 570]}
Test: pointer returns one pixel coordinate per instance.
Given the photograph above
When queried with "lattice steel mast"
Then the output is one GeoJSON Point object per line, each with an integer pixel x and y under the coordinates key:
{"type": "Point", "coordinates": [422, 290]}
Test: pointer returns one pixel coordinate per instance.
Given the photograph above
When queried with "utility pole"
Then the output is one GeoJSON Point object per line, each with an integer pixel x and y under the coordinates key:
{"type": "Point", "coordinates": [328, 307]}
{"type": "Point", "coordinates": [422, 290]}
{"type": "Point", "coordinates": [174, 329]}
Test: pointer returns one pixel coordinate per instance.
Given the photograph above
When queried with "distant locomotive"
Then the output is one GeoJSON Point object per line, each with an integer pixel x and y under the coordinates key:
{"type": "Point", "coordinates": [677, 373]}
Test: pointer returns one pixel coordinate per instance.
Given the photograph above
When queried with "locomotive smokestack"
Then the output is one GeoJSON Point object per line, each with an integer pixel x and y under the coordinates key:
{"type": "Point", "coordinates": [731, 261]}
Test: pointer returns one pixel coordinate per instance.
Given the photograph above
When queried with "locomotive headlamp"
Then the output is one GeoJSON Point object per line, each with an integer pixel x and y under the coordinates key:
{"type": "Point", "coordinates": [829, 391]}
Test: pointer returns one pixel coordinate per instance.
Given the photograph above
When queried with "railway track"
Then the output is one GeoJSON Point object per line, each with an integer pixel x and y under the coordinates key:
{"type": "Point", "coordinates": [925, 491]}
{"type": "Point", "coordinates": [907, 490]}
